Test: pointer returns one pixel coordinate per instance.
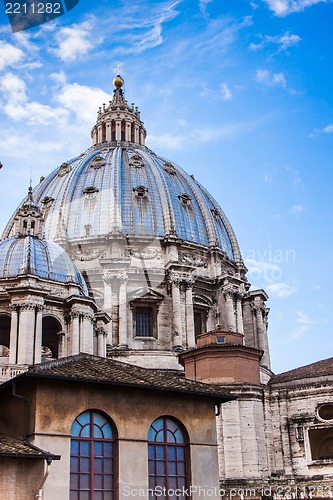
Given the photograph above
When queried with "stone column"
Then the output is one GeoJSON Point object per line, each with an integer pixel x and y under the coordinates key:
{"type": "Point", "coordinates": [229, 301]}
{"type": "Point", "coordinates": [101, 342]}
{"type": "Point", "coordinates": [176, 312]}
{"type": "Point", "coordinates": [122, 310]}
{"type": "Point", "coordinates": [87, 333]}
{"type": "Point", "coordinates": [75, 330]}
{"type": "Point", "coordinates": [128, 132]}
{"type": "Point", "coordinates": [239, 313]}
{"type": "Point", "coordinates": [38, 334]}
{"type": "Point", "coordinates": [26, 339]}
{"type": "Point", "coordinates": [189, 313]}
{"type": "Point", "coordinates": [108, 132]}
{"type": "Point", "coordinates": [259, 310]}
{"type": "Point", "coordinates": [136, 133]}
{"type": "Point", "coordinates": [118, 130]}
{"type": "Point", "coordinates": [13, 335]}
{"type": "Point", "coordinates": [107, 307]}
{"type": "Point", "coordinates": [100, 133]}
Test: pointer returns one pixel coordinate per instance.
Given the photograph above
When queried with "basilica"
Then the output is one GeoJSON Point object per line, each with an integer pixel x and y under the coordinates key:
{"type": "Point", "coordinates": [134, 356]}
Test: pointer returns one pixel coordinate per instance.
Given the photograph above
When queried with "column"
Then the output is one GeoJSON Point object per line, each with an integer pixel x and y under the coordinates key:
{"type": "Point", "coordinates": [100, 134]}
{"type": "Point", "coordinates": [136, 133]}
{"type": "Point", "coordinates": [128, 132]}
{"type": "Point", "coordinates": [26, 338]}
{"type": "Point", "coordinates": [108, 132]}
{"type": "Point", "coordinates": [189, 313]}
{"type": "Point", "coordinates": [107, 306]}
{"type": "Point", "coordinates": [122, 310]}
{"type": "Point", "coordinates": [259, 310]}
{"type": "Point", "coordinates": [101, 342]}
{"type": "Point", "coordinates": [75, 340]}
{"type": "Point", "coordinates": [87, 333]}
{"type": "Point", "coordinates": [13, 335]}
{"type": "Point", "coordinates": [38, 334]}
{"type": "Point", "coordinates": [176, 312]}
{"type": "Point", "coordinates": [239, 313]}
{"type": "Point", "coordinates": [231, 320]}
{"type": "Point", "coordinates": [118, 130]}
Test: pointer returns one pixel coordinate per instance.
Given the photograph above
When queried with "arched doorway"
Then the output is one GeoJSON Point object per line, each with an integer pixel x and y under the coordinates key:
{"type": "Point", "coordinates": [5, 322]}
{"type": "Point", "coordinates": [50, 338]}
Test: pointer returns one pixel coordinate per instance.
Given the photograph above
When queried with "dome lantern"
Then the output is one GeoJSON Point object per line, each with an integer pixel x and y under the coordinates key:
{"type": "Point", "coordinates": [29, 218]}
{"type": "Point", "coordinates": [118, 122]}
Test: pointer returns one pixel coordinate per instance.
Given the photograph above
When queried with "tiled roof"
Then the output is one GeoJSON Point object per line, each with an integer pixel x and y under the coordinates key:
{"type": "Point", "coordinates": [322, 368]}
{"type": "Point", "coordinates": [85, 367]}
{"type": "Point", "coordinates": [15, 448]}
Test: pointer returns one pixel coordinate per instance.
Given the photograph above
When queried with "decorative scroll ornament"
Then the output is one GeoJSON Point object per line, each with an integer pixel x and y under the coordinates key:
{"type": "Point", "coordinates": [86, 254]}
{"type": "Point", "coordinates": [146, 254]}
{"type": "Point", "coordinates": [193, 260]}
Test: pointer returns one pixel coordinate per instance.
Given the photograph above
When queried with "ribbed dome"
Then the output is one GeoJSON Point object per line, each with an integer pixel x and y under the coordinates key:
{"type": "Point", "coordinates": [133, 191]}
{"type": "Point", "coordinates": [45, 259]}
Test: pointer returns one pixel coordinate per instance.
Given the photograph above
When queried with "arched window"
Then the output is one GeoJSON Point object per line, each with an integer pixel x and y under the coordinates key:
{"type": "Point", "coordinates": [168, 462]}
{"type": "Point", "coordinates": [92, 457]}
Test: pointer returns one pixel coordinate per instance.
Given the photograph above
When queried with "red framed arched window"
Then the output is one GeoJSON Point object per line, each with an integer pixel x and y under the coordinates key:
{"type": "Point", "coordinates": [93, 455]}
{"type": "Point", "coordinates": [168, 457]}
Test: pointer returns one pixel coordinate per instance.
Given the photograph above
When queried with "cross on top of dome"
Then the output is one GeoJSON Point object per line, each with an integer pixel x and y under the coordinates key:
{"type": "Point", "coordinates": [118, 122]}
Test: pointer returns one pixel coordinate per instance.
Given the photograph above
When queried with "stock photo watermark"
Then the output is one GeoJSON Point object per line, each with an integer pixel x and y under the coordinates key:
{"type": "Point", "coordinates": [26, 14]}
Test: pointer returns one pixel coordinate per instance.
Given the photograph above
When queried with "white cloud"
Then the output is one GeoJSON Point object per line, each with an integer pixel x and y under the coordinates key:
{"type": "Point", "coordinates": [203, 5]}
{"type": "Point", "coordinates": [270, 79]}
{"type": "Point", "coordinates": [9, 55]}
{"type": "Point", "coordinates": [329, 129]}
{"type": "Point", "coordinates": [285, 7]}
{"type": "Point", "coordinates": [76, 41]}
{"type": "Point", "coordinates": [82, 100]}
{"type": "Point", "coordinates": [226, 92]}
{"type": "Point", "coordinates": [303, 324]}
{"type": "Point", "coordinates": [297, 209]}
{"type": "Point", "coordinates": [281, 290]}
{"type": "Point", "coordinates": [283, 41]}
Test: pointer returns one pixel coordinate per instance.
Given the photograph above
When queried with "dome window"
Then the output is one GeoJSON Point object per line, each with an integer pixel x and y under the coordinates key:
{"type": "Point", "coordinates": [136, 161]}
{"type": "Point", "coordinates": [98, 162]}
{"type": "Point", "coordinates": [215, 212]}
{"type": "Point", "coordinates": [90, 192]}
{"type": "Point", "coordinates": [47, 201]}
{"type": "Point", "coordinates": [169, 168]}
{"type": "Point", "coordinates": [140, 191]}
{"type": "Point", "coordinates": [64, 169]}
{"type": "Point", "coordinates": [185, 199]}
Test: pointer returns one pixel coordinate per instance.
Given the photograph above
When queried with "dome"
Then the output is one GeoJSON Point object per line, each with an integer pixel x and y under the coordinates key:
{"type": "Point", "coordinates": [45, 259]}
{"type": "Point", "coordinates": [121, 186]}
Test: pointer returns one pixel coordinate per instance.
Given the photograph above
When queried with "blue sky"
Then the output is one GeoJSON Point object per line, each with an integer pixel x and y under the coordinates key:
{"type": "Point", "coordinates": [237, 92]}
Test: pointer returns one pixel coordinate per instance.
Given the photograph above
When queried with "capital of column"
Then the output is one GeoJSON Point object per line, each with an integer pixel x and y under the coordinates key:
{"type": "Point", "coordinates": [108, 276]}
{"type": "Point", "coordinates": [258, 308]}
{"type": "Point", "coordinates": [14, 307]}
{"type": "Point", "coordinates": [122, 277]}
{"type": "Point", "coordinates": [88, 317]}
{"type": "Point", "coordinates": [27, 306]}
{"type": "Point", "coordinates": [101, 331]}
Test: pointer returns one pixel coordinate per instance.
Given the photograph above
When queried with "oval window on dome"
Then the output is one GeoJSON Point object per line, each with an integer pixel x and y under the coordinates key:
{"type": "Point", "coordinates": [90, 192]}
{"type": "Point", "coordinates": [47, 201]}
{"type": "Point", "coordinates": [185, 199]}
{"type": "Point", "coordinates": [136, 161]}
{"type": "Point", "coordinates": [98, 162]}
{"type": "Point", "coordinates": [169, 168]}
{"type": "Point", "coordinates": [140, 191]}
{"type": "Point", "coordinates": [64, 169]}
{"type": "Point", "coordinates": [325, 412]}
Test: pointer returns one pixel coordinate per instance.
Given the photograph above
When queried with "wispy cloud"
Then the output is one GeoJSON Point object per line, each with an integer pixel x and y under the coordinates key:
{"type": "Point", "coordinates": [76, 41]}
{"type": "Point", "coordinates": [203, 5]}
{"type": "Point", "coordinates": [283, 41]}
{"type": "Point", "coordinates": [226, 92]}
{"type": "Point", "coordinates": [297, 209]}
{"type": "Point", "coordinates": [281, 290]}
{"type": "Point", "coordinates": [328, 129]}
{"type": "Point", "coordinates": [303, 324]}
{"type": "Point", "coordinates": [9, 55]}
{"type": "Point", "coordinates": [270, 79]}
{"type": "Point", "coordinates": [283, 8]}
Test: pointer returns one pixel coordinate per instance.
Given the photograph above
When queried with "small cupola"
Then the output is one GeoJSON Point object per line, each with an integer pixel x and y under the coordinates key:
{"type": "Point", "coordinates": [29, 218]}
{"type": "Point", "coordinates": [118, 122]}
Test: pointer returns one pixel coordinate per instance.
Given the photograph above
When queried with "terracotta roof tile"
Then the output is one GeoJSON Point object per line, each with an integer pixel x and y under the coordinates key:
{"type": "Point", "coordinates": [322, 368]}
{"type": "Point", "coordinates": [85, 367]}
{"type": "Point", "coordinates": [13, 447]}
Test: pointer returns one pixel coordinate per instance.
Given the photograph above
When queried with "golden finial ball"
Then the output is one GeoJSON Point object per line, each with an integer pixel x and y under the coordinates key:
{"type": "Point", "coordinates": [118, 82]}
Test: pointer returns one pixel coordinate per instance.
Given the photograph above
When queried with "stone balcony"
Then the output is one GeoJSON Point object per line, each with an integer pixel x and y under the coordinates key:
{"type": "Point", "coordinates": [8, 371]}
